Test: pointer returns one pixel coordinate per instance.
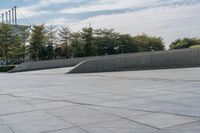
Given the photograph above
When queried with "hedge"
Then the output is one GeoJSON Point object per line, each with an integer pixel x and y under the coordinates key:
{"type": "Point", "coordinates": [6, 68]}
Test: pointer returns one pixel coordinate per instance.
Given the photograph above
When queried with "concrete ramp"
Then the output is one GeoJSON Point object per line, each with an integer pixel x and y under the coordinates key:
{"type": "Point", "coordinates": [40, 65]}
{"type": "Point", "coordinates": [142, 61]}
{"type": "Point", "coordinates": [54, 71]}
{"type": "Point", "coordinates": [50, 64]}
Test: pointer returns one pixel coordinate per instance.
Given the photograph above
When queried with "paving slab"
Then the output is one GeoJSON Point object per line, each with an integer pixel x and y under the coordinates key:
{"type": "Point", "coordinates": [119, 126]}
{"type": "Point", "coordinates": [69, 130]}
{"type": "Point", "coordinates": [5, 129]}
{"type": "Point", "coordinates": [161, 121]}
{"type": "Point", "coordinates": [189, 128]}
{"type": "Point", "coordinates": [79, 116]}
{"type": "Point", "coordinates": [34, 122]}
{"type": "Point", "coordinates": [121, 112]}
{"type": "Point", "coordinates": [154, 101]}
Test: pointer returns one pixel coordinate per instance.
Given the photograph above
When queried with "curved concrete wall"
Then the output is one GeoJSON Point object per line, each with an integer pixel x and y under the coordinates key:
{"type": "Point", "coordinates": [39, 65]}
{"type": "Point", "coordinates": [151, 60]}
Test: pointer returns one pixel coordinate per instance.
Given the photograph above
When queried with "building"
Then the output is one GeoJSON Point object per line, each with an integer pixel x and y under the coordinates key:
{"type": "Point", "coordinates": [10, 17]}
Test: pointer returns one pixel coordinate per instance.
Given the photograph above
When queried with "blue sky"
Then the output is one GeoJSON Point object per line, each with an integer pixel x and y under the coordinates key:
{"type": "Point", "coordinates": [170, 19]}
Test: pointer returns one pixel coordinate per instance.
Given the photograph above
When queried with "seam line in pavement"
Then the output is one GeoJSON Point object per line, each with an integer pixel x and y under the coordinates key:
{"type": "Point", "coordinates": [65, 121]}
{"type": "Point", "coordinates": [127, 119]}
{"type": "Point", "coordinates": [143, 78]}
{"type": "Point", "coordinates": [181, 124]}
{"type": "Point", "coordinates": [96, 105]}
{"type": "Point", "coordinates": [10, 128]}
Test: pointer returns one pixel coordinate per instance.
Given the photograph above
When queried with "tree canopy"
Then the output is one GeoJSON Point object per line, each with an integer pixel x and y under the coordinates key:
{"type": "Point", "coordinates": [10, 43]}
{"type": "Point", "coordinates": [38, 41]}
{"type": "Point", "coordinates": [51, 42]}
{"type": "Point", "coordinates": [184, 43]}
{"type": "Point", "coordinates": [149, 43]}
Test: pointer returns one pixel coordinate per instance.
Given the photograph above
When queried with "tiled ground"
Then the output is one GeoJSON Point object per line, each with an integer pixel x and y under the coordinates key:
{"type": "Point", "coordinates": [50, 101]}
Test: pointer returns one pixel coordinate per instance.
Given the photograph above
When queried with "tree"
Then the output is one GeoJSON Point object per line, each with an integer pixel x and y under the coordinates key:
{"type": "Point", "coordinates": [5, 42]}
{"type": "Point", "coordinates": [149, 43]}
{"type": "Point", "coordinates": [24, 39]}
{"type": "Point", "coordinates": [106, 41]}
{"type": "Point", "coordinates": [126, 44]}
{"type": "Point", "coordinates": [17, 49]}
{"type": "Point", "coordinates": [184, 43]}
{"type": "Point", "coordinates": [38, 42]}
{"type": "Point", "coordinates": [52, 41]}
{"type": "Point", "coordinates": [10, 42]}
{"type": "Point", "coordinates": [87, 36]}
{"type": "Point", "coordinates": [65, 35]}
{"type": "Point", "coordinates": [1, 52]}
{"type": "Point", "coordinates": [77, 45]}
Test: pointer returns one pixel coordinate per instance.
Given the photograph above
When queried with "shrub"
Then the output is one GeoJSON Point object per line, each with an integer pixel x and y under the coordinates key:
{"type": "Point", "coordinates": [6, 68]}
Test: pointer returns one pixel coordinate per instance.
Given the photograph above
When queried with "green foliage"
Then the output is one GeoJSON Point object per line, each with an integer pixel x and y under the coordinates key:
{"type": "Point", "coordinates": [10, 43]}
{"type": "Point", "coordinates": [50, 52]}
{"type": "Point", "coordinates": [77, 45]}
{"type": "Point", "coordinates": [17, 48]}
{"type": "Point", "coordinates": [126, 44]}
{"type": "Point", "coordinates": [184, 43]}
{"type": "Point", "coordinates": [38, 42]}
{"type": "Point", "coordinates": [6, 68]}
{"type": "Point", "coordinates": [47, 43]}
{"type": "Point", "coordinates": [149, 43]}
{"type": "Point", "coordinates": [51, 41]}
{"type": "Point", "coordinates": [93, 42]}
{"type": "Point", "coordinates": [106, 41]}
{"type": "Point", "coordinates": [64, 47]}
{"type": "Point", "coordinates": [87, 37]}
{"type": "Point", "coordinates": [44, 44]}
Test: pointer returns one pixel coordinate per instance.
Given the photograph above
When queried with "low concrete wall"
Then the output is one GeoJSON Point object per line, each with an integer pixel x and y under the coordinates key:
{"type": "Point", "coordinates": [151, 60]}
{"type": "Point", "coordinates": [40, 65]}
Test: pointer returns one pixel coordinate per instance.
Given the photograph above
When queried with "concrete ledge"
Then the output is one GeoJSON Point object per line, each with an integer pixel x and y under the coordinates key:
{"type": "Point", "coordinates": [141, 61]}
{"type": "Point", "coordinates": [40, 65]}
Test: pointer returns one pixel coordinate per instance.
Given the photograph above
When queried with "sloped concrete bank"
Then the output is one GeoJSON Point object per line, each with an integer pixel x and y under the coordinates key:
{"type": "Point", "coordinates": [40, 65]}
{"type": "Point", "coordinates": [141, 61]}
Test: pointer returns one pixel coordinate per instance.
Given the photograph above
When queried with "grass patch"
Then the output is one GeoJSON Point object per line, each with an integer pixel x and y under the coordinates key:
{"type": "Point", "coordinates": [195, 46]}
{"type": "Point", "coordinates": [6, 68]}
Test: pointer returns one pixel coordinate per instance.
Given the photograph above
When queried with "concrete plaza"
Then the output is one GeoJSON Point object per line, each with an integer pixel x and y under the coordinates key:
{"type": "Point", "coordinates": [50, 101]}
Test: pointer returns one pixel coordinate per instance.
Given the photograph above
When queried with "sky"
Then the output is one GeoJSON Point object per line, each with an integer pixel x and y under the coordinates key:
{"type": "Point", "coordinates": [169, 19]}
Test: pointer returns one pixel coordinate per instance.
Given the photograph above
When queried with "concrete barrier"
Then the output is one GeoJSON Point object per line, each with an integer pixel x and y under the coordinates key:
{"type": "Point", "coordinates": [140, 61]}
{"type": "Point", "coordinates": [40, 65]}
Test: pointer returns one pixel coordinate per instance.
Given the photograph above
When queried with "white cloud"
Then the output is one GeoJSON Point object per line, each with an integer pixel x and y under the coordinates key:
{"type": "Point", "coordinates": [36, 9]}
{"type": "Point", "coordinates": [102, 5]}
{"type": "Point", "coordinates": [45, 3]}
{"type": "Point", "coordinates": [30, 11]}
{"type": "Point", "coordinates": [168, 22]}
{"type": "Point", "coordinates": [60, 21]}
{"type": "Point", "coordinates": [170, 19]}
